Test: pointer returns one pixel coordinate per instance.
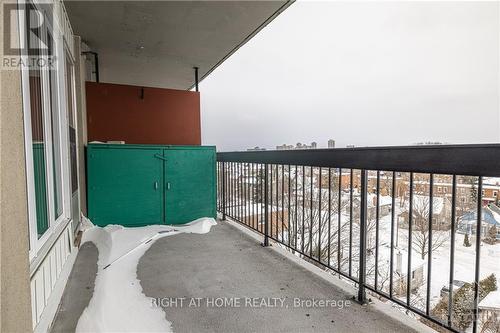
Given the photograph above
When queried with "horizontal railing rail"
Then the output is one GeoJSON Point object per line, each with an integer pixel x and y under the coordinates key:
{"type": "Point", "coordinates": [474, 160]}
{"type": "Point", "coordinates": [387, 218]}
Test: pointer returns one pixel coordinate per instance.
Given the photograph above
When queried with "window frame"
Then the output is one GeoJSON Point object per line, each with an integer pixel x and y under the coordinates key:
{"type": "Point", "coordinates": [69, 57]}
{"type": "Point", "coordinates": [59, 106]}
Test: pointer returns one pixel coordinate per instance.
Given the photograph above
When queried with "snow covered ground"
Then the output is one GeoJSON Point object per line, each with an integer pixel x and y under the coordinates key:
{"type": "Point", "coordinates": [118, 303]}
{"type": "Point", "coordinates": [465, 257]}
{"type": "Point", "coordinates": [464, 261]}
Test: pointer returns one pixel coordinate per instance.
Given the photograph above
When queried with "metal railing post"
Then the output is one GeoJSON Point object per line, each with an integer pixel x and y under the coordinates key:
{"type": "Point", "coordinates": [475, 323]}
{"type": "Point", "coordinates": [266, 206]}
{"type": "Point", "coordinates": [224, 191]}
{"type": "Point", "coordinates": [362, 239]}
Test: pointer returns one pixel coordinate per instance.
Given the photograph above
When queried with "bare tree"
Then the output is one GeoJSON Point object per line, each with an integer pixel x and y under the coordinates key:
{"type": "Point", "coordinates": [402, 188]}
{"type": "Point", "coordinates": [420, 222]}
{"type": "Point", "coordinates": [313, 221]}
{"type": "Point", "coordinates": [490, 325]}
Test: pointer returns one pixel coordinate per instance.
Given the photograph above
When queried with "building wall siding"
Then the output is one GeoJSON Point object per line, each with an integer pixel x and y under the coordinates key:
{"type": "Point", "coordinates": [46, 278]}
{"type": "Point", "coordinates": [142, 115]}
{"type": "Point", "coordinates": [15, 313]}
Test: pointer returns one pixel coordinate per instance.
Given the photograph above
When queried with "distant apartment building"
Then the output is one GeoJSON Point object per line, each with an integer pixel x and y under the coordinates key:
{"type": "Point", "coordinates": [299, 145]}
{"type": "Point", "coordinates": [466, 190]}
{"type": "Point", "coordinates": [466, 187]}
{"type": "Point", "coordinates": [285, 147]}
{"type": "Point", "coordinates": [256, 149]}
{"type": "Point", "coordinates": [429, 143]}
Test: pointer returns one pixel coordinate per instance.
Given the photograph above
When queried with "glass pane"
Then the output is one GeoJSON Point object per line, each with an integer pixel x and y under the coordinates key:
{"type": "Point", "coordinates": [71, 123]}
{"type": "Point", "coordinates": [56, 130]}
{"type": "Point", "coordinates": [69, 90]}
{"type": "Point", "coordinates": [37, 124]}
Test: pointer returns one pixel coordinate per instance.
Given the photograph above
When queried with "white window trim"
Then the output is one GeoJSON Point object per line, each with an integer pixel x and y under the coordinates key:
{"type": "Point", "coordinates": [60, 106]}
{"type": "Point", "coordinates": [68, 54]}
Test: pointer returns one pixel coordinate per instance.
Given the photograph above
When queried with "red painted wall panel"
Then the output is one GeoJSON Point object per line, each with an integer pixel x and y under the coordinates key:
{"type": "Point", "coordinates": [162, 116]}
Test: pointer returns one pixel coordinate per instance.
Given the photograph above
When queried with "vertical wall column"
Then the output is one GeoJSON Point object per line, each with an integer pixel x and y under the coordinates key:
{"type": "Point", "coordinates": [15, 303]}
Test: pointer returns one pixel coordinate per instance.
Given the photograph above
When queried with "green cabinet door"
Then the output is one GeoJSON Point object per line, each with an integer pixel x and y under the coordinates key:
{"type": "Point", "coordinates": [189, 184]}
{"type": "Point", "coordinates": [125, 186]}
{"type": "Point", "coordinates": [42, 221]}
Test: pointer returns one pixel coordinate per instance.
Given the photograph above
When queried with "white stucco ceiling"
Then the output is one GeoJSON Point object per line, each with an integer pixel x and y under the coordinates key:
{"type": "Point", "coordinates": [157, 43]}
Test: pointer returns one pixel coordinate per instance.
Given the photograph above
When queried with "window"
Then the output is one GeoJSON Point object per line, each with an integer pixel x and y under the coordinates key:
{"type": "Point", "coordinates": [45, 122]}
{"type": "Point", "coordinates": [56, 130]}
{"type": "Point", "coordinates": [439, 189]}
{"type": "Point", "coordinates": [38, 132]}
{"type": "Point", "coordinates": [70, 104]}
{"type": "Point", "coordinates": [495, 193]}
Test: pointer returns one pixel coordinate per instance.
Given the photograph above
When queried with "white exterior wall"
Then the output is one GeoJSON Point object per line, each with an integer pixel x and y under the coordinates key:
{"type": "Point", "coordinates": [52, 256]}
{"type": "Point", "coordinates": [49, 279]}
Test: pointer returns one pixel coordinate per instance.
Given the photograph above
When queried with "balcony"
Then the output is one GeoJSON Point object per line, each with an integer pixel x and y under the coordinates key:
{"type": "Point", "coordinates": [366, 239]}
{"type": "Point", "coordinates": [230, 264]}
{"type": "Point", "coordinates": [355, 227]}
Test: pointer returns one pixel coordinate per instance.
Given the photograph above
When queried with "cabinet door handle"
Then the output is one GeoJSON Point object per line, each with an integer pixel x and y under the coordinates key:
{"type": "Point", "coordinates": [160, 157]}
{"type": "Point", "coordinates": [168, 185]}
{"type": "Point", "coordinates": [156, 185]}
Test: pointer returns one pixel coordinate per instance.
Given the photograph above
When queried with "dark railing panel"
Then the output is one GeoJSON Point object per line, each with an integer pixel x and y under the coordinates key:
{"type": "Point", "coordinates": [473, 160]}
{"type": "Point", "coordinates": [388, 219]}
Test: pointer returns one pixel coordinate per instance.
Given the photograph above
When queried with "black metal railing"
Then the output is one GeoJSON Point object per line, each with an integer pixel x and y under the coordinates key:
{"type": "Point", "coordinates": [385, 218]}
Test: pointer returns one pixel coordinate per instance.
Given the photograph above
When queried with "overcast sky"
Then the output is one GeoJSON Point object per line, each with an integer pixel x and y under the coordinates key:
{"type": "Point", "coordinates": [367, 74]}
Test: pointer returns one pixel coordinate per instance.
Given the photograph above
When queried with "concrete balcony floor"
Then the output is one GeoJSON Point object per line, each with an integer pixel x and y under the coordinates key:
{"type": "Point", "coordinates": [229, 262]}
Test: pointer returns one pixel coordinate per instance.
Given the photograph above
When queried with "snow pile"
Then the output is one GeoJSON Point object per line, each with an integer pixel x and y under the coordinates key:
{"type": "Point", "coordinates": [118, 303]}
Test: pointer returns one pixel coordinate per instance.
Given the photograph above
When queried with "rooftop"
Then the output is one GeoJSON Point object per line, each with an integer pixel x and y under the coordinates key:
{"type": "Point", "coordinates": [491, 301]}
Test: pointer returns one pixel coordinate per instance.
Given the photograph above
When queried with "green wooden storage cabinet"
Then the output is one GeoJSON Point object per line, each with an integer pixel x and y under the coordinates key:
{"type": "Point", "coordinates": [138, 185]}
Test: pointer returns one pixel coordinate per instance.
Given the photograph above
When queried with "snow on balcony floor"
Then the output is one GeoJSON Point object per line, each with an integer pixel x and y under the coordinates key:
{"type": "Point", "coordinates": [225, 281]}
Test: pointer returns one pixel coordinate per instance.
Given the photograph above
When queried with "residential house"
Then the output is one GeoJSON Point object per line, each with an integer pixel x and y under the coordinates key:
{"type": "Point", "coordinates": [489, 309]}
{"type": "Point", "coordinates": [489, 217]}
{"type": "Point", "coordinates": [441, 212]}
